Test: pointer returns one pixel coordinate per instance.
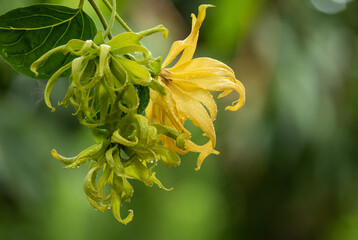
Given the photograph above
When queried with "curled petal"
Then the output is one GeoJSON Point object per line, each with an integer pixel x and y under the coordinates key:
{"type": "Point", "coordinates": [204, 151]}
{"type": "Point", "coordinates": [130, 100]}
{"type": "Point", "coordinates": [116, 166]}
{"type": "Point", "coordinates": [118, 138]}
{"type": "Point", "coordinates": [116, 201]}
{"type": "Point", "coordinates": [90, 185]}
{"type": "Point", "coordinates": [98, 205]}
{"type": "Point", "coordinates": [61, 158]}
{"type": "Point", "coordinates": [86, 155]}
{"type": "Point", "coordinates": [51, 82]}
{"type": "Point", "coordinates": [159, 184]}
{"type": "Point", "coordinates": [35, 65]}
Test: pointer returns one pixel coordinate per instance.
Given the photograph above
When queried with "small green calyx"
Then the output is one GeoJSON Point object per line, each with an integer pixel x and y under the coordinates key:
{"type": "Point", "coordinates": [155, 67]}
{"type": "Point", "coordinates": [99, 39]}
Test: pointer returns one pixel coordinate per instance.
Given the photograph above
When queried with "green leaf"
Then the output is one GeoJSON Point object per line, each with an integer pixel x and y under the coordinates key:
{"type": "Point", "coordinates": [28, 33]}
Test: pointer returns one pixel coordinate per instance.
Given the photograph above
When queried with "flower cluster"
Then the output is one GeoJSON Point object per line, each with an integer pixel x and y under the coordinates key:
{"type": "Point", "coordinates": [131, 152]}
{"type": "Point", "coordinates": [136, 107]}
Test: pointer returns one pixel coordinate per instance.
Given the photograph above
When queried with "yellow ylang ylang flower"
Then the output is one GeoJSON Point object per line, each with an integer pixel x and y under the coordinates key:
{"type": "Point", "coordinates": [187, 86]}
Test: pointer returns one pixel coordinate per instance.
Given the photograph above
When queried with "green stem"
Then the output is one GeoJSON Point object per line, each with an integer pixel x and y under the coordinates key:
{"type": "Point", "coordinates": [100, 16]}
{"type": "Point", "coordinates": [113, 18]}
{"type": "Point", "coordinates": [119, 19]}
{"type": "Point", "coordinates": [159, 28]}
{"type": "Point", "coordinates": [80, 5]}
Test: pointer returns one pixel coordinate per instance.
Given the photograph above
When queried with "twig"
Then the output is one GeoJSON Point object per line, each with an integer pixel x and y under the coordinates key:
{"type": "Point", "coordinates": [119, 19]}
{"type": "Point", "coordinates": [100, 16]}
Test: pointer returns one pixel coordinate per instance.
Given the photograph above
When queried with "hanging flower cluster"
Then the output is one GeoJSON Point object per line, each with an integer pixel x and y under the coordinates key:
{"type": "Point", "coordinates": [135, 106]}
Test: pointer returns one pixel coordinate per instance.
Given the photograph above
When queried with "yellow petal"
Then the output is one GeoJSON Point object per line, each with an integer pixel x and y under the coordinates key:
{"type": "Point", "coordinates": [188, 45]}
{"type": "Point", "coordinates": [193, 110]}
{"type": "Point", "coordinates": [200, 95]}
{"type": "Point", "coordinates": [149, 110]}
{"type": "Point", "coordinates": [204, 151]}
{"type": "Point", "coordinates": [204, 65]}
{"type": "Point", "coordinates": [239, 103]}
{"type": "Point", "coordinates": [208, 74]}
{"type": "Point", "coordinates": [157, 111]}
{"type": "Point", "coordinates": [166, 106]}
{"type": "Point", "coordinates": [176, 49]}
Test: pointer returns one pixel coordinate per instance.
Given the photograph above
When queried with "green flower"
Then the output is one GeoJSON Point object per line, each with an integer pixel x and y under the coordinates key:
{"type": "Point", "coordinates": [104, 76]}
{"type": "Point", "coordinates": [131, 152]}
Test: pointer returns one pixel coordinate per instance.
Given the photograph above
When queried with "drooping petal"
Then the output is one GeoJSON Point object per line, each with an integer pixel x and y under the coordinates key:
{"type": "Point", "coordinates": [193, 110]}
{"type": "Point", "coordinates": [204, 151]}
{"type": "Point", "coordinates": [208, 74]}
{"type": "Point", "coordinates": [165, 107]}
{"type": "Point", "coordinates": [116, 200]}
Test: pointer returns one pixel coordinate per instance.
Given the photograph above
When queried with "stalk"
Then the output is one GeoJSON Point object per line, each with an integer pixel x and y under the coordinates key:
{"type": "Point", "coordinates": [119, 19]}
{"type": "Point", "coordinates": [100, 16]}
{"type": "Point", "coordinates": [113, 18]}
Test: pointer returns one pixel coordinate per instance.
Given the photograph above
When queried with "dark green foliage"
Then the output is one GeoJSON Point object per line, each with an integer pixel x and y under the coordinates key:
{"type": "Point", "coordinates": [28, 33]}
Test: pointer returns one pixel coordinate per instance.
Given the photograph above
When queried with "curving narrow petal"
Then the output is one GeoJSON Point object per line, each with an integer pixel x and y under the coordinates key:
{"type": "Point", "coordinates": [187, 46]}
{"type": "Point", "coordinates": [204, 151]}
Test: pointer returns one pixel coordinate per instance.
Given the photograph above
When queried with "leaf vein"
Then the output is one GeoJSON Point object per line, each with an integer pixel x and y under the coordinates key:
{"type": "Point", "coordinates": [83, 25]}
{"type": "Point", "coordinates": [69, 23]}
{"type": "Point", "coordinates": [14, 43]}
{"type": "Point", "coordinates": [34, 49]}
{"type": "Point", "coordinates": [39, 28]}
{"type": "Point", "coordinates": [37, 15]}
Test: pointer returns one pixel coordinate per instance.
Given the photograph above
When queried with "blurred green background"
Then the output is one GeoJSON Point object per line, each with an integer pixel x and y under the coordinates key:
{"type": "Point", "coordinates": [288, 167]}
